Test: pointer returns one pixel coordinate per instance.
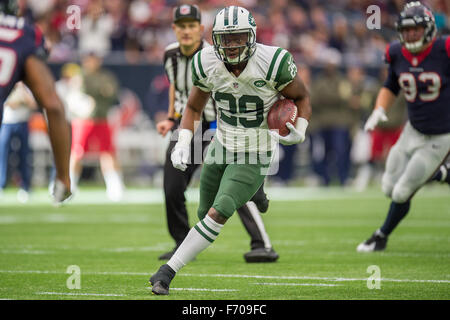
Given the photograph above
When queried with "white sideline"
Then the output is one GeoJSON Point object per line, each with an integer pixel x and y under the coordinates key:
{"type": "Point", "coordinates": [156, 196]}
{"type": "Point", "coordinates": [337, 279]}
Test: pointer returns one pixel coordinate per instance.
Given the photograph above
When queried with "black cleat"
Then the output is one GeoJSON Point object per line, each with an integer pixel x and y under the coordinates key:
{"type": "Point", "coordinates": [260, 200]}
{"type": "Point", "coordinates": [160, 281]}
{"type": "Point", "coordinates": [377, 242]}
{"type": "Point", "coordinates": [160, 288]}
{"type": "Point", "coordinates": [261, 255]}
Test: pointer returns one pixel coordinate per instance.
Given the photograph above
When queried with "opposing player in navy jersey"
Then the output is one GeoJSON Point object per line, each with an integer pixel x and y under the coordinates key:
{"type": "Point", "coordinates": [419, 64]}
{"type": "Point", "coordinates": [22, 55]}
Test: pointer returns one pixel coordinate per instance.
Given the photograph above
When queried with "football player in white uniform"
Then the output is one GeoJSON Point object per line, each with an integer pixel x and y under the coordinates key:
{"type": "Point", "coordinates": [244, 78]}
{"type": "Point", "coordinates": [177, 62]}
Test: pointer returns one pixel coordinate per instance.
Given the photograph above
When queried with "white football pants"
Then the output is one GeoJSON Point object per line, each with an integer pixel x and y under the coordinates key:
{"type": "Point", "coordinates": [412, 161]}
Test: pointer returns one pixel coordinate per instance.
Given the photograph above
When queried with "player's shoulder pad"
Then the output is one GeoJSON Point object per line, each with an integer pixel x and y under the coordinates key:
{"type": "Point", "coordinates": [272, 59]}
{"type": "Point", "coordinates": [36, 41]}
{"type": "Point", "coordinates": [277, 64]}
{"type": "Point", "coordinates": [12, 22]}
{"type": "Point", "coordinates": [203, 62]}
{"type": "Point", "coordinates": [206, 43]}
{"type": "Point", "coordinates": [391, 51]}
{"type": "Point", "coordinates": [444, 43]}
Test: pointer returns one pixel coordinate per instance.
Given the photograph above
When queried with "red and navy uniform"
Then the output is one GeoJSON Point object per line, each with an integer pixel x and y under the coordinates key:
{"type": "Point", "coordinates": [425, 80]}
{"type": "Point", "coordinates": [18, 40]}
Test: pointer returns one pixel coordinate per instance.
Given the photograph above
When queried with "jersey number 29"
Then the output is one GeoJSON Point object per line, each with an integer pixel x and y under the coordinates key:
{"type": "Point", "coordinates": [244, 102]}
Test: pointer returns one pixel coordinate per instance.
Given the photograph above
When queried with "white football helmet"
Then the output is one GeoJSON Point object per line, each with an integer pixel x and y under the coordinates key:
{"type": "Point", "coordinates": [234, 20]}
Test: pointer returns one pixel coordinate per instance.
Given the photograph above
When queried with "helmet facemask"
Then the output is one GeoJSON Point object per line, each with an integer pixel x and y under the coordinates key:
{"type": "Point", "coordinates": [234, 47]}
{"type": "Point", "coordinates": [412, 46]}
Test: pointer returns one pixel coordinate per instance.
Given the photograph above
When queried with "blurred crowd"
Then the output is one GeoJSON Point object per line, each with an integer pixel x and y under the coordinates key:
{"type": "Point", "coordinates": [139, 30]}
{"type": "Point", "coordinates": [339, 59]}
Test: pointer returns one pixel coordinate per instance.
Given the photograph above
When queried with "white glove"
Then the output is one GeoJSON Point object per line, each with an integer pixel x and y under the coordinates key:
{"type": "Point", "coordinates": [182, 150]}
{"type": "Point", "coordinates": [60, 193]}
{"type": "Point", "coordinates": [296, 135]}
{"type": "Point", "coordinates": [377, 115]}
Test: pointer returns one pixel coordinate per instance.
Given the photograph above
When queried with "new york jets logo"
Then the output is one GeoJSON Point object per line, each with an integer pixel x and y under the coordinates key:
{"type": "Point", "coordinates": [259, 83]}
{"type": "Point", "coordinates": [251, 20]}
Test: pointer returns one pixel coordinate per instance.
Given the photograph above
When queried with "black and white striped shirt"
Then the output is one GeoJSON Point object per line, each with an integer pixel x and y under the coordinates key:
{"type": "Point", "coordinates": [178, 70]}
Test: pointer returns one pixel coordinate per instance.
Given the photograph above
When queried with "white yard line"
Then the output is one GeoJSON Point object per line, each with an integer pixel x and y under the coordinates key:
{"type": "Point", "coordinates": [337, 279]}
{"type": "Point", "coordinates": [296, 284]}
{"type": "Point", "coordinates": [25, 251]}
{"type": "Point", "coordinates": [31, 271]}
{"type": "Point", "coordinates": [310, 278]}
{"type": "Point", "coordinates": [201, 289]}
{"type": "Point", "coordinates": [80, 294]}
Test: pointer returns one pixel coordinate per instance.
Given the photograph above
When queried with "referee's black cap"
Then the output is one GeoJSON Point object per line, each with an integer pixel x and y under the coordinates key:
{"type": "Point", "coordinates": [186, 11]}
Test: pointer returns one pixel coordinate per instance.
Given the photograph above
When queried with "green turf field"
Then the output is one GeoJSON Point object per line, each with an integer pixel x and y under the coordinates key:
{"type": "Point", "coordinates": [315, 232]}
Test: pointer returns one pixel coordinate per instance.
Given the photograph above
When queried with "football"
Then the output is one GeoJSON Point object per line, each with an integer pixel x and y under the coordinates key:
{"type": "Point", "coordinates": [280, 113]}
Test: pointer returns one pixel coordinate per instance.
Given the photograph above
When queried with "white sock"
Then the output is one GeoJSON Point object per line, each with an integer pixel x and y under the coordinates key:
{"type": "Point", "coordinates": [74, 178]}
{"type": "Point", "coordinates": [380, 233]}
{"type": "Point", "coordinates": [444, 172]}
{"type": "Point", "coordinates": [114, 185]}
{"type": "Point", "coordinates": [198, 239]}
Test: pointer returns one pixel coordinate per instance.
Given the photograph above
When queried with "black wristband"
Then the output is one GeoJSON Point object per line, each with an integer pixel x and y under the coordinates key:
{"type": "Point", "coordinates": [172, 119]}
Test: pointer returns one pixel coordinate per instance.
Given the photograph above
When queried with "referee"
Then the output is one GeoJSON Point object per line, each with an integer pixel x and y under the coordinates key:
{"type": "Point", "coordinates": [177, 63]}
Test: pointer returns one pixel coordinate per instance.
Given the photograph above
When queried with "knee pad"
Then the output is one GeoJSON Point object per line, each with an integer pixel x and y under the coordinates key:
{"type": "Point", "coordinates": [401, 193]}
{"type": "Point", "coordinates": [225, 205]}
{"type": "Point", "coordinates": [395, 166]}
{"type": "Point", "coordinates": [387, 185]}
{"type": "Point", "coordinates": [201, 213]}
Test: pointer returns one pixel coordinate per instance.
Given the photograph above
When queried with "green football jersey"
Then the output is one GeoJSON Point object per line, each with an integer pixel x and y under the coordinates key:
{"type": "Point", "coordinates": [243, 102]}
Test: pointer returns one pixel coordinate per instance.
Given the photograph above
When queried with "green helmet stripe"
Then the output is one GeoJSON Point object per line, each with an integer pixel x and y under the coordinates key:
{"type": "Point", "coordinates": [235, 15]}
{"type": "Point", "coordinates": [272, 64]}
{"type": "Point", "coordinates": [199, 62]}
{"type": "Point", "coordinates": [225, 15]}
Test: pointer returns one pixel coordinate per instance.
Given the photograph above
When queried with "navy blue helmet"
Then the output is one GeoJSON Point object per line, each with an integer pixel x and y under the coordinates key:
{"type": "Point", "coordinates": [416, 14]}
